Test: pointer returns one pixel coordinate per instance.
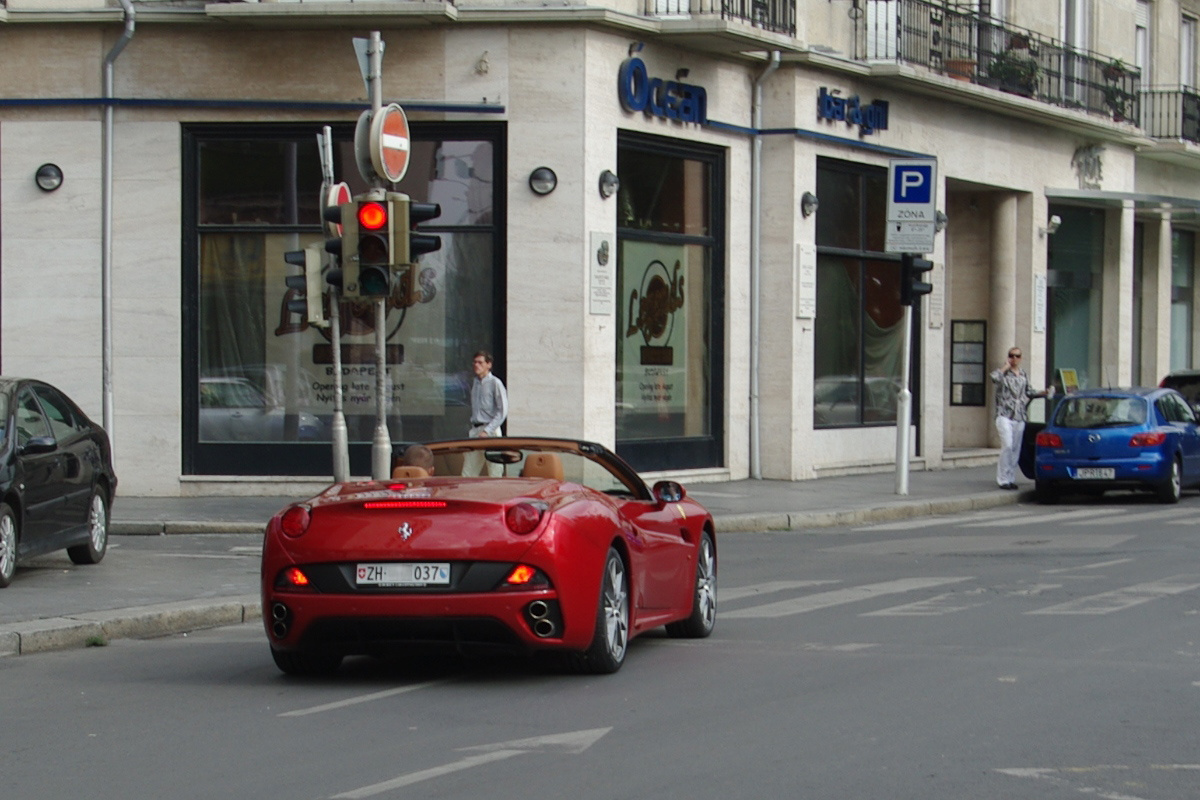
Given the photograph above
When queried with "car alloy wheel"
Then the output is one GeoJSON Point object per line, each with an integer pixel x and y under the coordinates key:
{"type": "Point", "coordinates": [1172, 488]}
{"type": "Point", "coordinates": [704, 599]}
{"type": "Point", "coordinates": [8, 545]}
{"type": "Point", "coordinates": [97, 527]}
{"type": "Point", "coordinates": [611, 639]}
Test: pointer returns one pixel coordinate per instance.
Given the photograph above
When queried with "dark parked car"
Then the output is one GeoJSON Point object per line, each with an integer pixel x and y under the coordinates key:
{"type": "Point", "coordinates": [1186, 382]}
{"type": "Point", "coordinates": [1101, 439]}
{"type": "Point", "coordinates": [56, 477]}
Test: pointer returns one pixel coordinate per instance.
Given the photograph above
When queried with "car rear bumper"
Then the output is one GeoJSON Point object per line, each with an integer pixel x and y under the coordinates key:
{"type": "Point", "coordinates": [354, 624]}
{"type": "Point", "coordinates": [1149, 469]}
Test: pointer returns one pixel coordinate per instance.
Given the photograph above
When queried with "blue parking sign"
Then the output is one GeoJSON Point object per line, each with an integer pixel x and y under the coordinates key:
{"type": "Point", "coordinates": [912, 189]}
{"type": "Point", "coordinates": [913, 184]}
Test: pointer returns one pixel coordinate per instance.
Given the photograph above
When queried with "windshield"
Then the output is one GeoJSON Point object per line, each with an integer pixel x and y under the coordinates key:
{"type": "Point", "coordinates": [1100, 412]}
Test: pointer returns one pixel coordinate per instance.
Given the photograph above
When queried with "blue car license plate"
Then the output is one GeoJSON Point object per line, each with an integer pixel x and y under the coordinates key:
{"type": "Point", "coordinates": [1095, 474]}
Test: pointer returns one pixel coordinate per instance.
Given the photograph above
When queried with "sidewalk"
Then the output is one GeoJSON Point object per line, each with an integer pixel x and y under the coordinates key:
{"type": "Point", "coordinates": [149, 584]}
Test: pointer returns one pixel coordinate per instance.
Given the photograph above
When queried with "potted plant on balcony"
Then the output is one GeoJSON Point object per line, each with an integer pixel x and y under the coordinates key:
{"type": "Point", "coordinates": [1015, 72]}
{"type": "Point", "coordinates": [1118, 100]}
{"type": "Point", "coordinates": [1114, 70]}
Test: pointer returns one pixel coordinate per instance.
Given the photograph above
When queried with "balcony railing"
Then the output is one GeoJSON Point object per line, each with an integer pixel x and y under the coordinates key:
{"type": "Point", "coordinates": [977, 48]}
{"type": "Point", "coordinates": [1171, 113]}
{"type": "Point", "coordinates": [776, 16]}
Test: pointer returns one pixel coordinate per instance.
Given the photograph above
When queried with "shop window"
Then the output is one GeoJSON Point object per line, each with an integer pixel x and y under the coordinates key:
{"type": "Point", "coordinates": [968, 345]}
{"type": "Point", "coordinates": [259, 380]}
{"type": "Point", "coordinates": [859, 326]}
{"type": "Point", "coordinates": [669, 345]}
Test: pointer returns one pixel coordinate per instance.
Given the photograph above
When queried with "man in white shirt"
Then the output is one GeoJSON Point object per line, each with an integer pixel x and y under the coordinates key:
{"type": "Point", "coordinates": [489, 409]}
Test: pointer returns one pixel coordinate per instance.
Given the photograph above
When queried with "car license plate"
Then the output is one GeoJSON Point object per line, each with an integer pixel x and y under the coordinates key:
{"type": "Point", "coordinates": [404, 574]}
{"type": "Point", "coordinates": [1095, 474]}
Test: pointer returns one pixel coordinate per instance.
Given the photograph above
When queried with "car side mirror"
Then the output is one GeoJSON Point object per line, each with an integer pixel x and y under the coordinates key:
{"type": "Point", "coordinates": [668, 492]}
{"type": "Point", "coordinates": [39, 444]}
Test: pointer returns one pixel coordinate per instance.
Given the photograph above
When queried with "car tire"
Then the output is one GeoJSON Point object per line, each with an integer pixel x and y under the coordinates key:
{"type": "Point", "coordinates": [306, 665]}
{"type": "Point", "coordinates": [610, 642]}
{"type": "Point", "coordinates": [704, 596]}
{"type": "Point", "coordinates": [1170, 490]}
{"type": "Point", "coordinates": [8, 545]}
{"type": "Point", "coordinates": [97, 528]}
{"type": "Point", "coordinates": [1045, 493]}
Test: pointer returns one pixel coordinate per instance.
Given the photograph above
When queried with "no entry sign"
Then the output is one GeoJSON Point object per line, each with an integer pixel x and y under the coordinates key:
{"type": "Point", "coordinates": [390, 143]}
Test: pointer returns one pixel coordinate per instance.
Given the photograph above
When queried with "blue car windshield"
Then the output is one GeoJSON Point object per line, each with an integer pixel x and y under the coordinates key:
{"type": "Point", "coordinates": [1100, 412]}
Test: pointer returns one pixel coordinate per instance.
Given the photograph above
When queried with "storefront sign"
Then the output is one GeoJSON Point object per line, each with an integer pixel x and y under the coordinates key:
{"type": "Point", "coordinates": [684, 102]}
{"type": "Point", "coordinates": [850, 110]}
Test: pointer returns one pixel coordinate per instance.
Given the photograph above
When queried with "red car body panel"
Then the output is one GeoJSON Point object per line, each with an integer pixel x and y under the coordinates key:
{"type": "Point", "coordinates": [659, 542]}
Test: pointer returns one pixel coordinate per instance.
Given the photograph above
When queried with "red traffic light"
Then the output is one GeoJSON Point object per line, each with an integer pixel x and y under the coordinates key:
{"type": "Point", "coordinates": [372, 216]}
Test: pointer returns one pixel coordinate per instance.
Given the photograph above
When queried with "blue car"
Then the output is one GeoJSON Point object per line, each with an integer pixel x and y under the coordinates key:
{"type": "Point", "coordinates": [1101, 439]}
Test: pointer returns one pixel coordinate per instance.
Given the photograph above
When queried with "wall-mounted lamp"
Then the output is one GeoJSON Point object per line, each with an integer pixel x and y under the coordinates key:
{"type": "Point", "coordinates": [609, 183]}
{"type": "Point", "coordinates": [542, 180]}
{"type": "Point", "coordinates": [940, 221]}
{"type": "Point", "coordinates": [48, 177]}
{"type": "Point", "coordinates": [809, 204]}
{"type": "Point", "coordinates": [1052, 226]}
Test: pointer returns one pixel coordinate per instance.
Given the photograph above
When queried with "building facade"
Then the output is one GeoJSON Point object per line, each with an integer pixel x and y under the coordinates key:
{"type": "Point", "coordinates": [705, 287]}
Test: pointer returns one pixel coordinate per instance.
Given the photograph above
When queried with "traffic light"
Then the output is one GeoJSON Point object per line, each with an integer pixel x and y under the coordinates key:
{"type": "Point", "coordinates": [304, 295]}
{"type": "Point", "coordinates": [368, 247]}
{"type": "Point", "coordinates": [912, 279]}
{"type": "Point", "coordinates": [411, 244]}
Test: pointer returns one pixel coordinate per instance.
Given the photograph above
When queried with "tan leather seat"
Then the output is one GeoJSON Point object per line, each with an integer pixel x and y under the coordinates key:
{"type": "Point", "coordinates": [543, 465]}
{"type": "Point", "coordinates": [403, 471]}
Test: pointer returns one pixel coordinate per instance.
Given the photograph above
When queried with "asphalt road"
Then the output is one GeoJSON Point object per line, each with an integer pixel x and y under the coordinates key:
{"type": "Point", "coordinates": [1024, 652]}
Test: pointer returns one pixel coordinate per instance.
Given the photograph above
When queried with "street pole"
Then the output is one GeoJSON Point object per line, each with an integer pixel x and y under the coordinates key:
{"type": "Point", "coordinates": [381, 447]}
{"type": "Point", "coordinates": [339, 436]}
{"type": "Point", "coordinates": [904, 407]}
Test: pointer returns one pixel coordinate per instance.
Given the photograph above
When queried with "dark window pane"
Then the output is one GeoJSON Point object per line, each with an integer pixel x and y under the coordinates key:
{"type": "Point", "coordinates": [263, 182]}
{"type": "Point", "coordinates": [662, 193]}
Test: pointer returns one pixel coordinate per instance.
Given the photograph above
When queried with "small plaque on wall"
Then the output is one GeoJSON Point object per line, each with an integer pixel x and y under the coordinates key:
{"type": "Point", "coordinates": [806, 281]}
{"type": "Point", "coordinates": [602, 285]}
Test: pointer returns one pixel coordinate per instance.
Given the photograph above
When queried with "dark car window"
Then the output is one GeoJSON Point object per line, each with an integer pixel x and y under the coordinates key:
{"type": "Point", "coordinates": [63, 422]}
{"type": "Point", "coordinates": [1100, 412]}
{"type": "Point", "coordinates": [31, 422]}
{"type": "Point", "coordinates": [1174, 409]}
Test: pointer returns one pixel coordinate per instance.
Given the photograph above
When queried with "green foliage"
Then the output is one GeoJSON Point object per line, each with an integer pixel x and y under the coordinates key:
{"type": "Point", "coordinates": [1015, 71]}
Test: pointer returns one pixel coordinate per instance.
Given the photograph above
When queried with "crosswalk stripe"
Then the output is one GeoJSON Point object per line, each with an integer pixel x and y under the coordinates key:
{"type": "Point", "coordinates": [725, 595]}
{"type": "Point", "coordinates": [935, 606]}
{"type": "Point", "coordinates": [1012, 520]}
{"type": "Point", "coordinates": [1121, 599]}
{"type": "Point", "coordinates": [814, 602]}
{"type": "Point", "coordinates": [1129, 519]}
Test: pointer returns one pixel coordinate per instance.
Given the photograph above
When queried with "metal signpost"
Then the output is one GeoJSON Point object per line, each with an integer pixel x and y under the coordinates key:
{"type": "Point", "coordinates": [911, 227]}
{"type": "Point", "coordinates": [334, 195]}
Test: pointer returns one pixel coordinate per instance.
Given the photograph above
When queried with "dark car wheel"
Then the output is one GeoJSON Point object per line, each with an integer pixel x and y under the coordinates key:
{"type": "Point", "coordinates": [8, 545]}
{"type": "Point", "coordinates": [306, 665]}
{"type": "Point", "coordinates": [1045, 493]}
{"type": "Point", "coordinates": [704, 598]}
{"type": "Point", "coordinates": [611, 639]}
{"type": "Point", "coordinates": [1170, 490]}
{"type": "Point", "coordinates": [97, 526]}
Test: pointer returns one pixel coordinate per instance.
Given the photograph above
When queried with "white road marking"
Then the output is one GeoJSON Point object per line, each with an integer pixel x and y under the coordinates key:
{"type": "Point", "coordinates": [1121, 599]}
{"type": "Point", "coordinates": [725, 595]}
{"type": "Point", "coordinates": [365, 698]}
{"type": "Point", "coordinates": [1097, 565]}
{"type": "Point", "coordinates": [935, 606]}
{"type": "Point", "coordinates": [929, 522]}
{"type": "Point", "coordinates": [814, 602]}
{"type": "Point", "coordinates": [1002, 520]}
{"type": "Point", "coordinates": [1130, 519]}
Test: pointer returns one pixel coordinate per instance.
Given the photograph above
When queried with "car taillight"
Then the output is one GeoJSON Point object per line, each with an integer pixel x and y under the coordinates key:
{"type": "Point", "coordinates": [375, 505]}
{"type": "Point", "coordinates": [523, 517]}
{"type": "Point", "coordinates": [294, 576]}
{"type": "Point", "coordinates": [295, 521]}
{"type": "Point", "coordinates": [524, 576]}
{"type": "Point", "coordinates": [1048, 440]}
{"type": "Point", "coordinates": [1147, 439]}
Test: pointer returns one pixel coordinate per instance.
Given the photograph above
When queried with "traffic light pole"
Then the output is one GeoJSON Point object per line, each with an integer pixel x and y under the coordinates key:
{"type": "Point", "coordinates": [904, 407]}
{"type": "Point", "coordinates": [381, 446]}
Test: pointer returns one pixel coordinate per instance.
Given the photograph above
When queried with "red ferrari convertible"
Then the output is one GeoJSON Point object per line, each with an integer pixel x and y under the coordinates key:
{"type": "Point", "coordinates": [568, 550]}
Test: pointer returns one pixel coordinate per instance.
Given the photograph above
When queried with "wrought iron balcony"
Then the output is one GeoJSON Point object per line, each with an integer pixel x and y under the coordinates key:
{"type": "Point", "coordinates": [776, 16]}
{"type": "Point", "coordinates": [974, 47]}
{"type": "Point", "coordinates": [1171, 113]}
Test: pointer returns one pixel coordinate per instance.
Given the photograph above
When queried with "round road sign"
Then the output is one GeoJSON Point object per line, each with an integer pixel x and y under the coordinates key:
{"type": "Point", "coordinates": [334, 197]}
{"type": "Point", "coordinates": [390, 143]}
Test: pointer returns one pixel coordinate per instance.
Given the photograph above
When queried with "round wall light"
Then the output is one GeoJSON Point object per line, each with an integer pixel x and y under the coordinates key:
{"type": "Point", "coordinates": [48, 177]}
{"type": "Point", "coordinates": [542, 180]}
{"type": "Point", "coordinates": [609, 183]}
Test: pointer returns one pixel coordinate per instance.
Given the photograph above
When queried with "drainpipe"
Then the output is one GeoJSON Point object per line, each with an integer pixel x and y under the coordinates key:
{"type": "Point", "coordinates": [756, 263]}
{"type": "Point", "coordinates": [107, 213]}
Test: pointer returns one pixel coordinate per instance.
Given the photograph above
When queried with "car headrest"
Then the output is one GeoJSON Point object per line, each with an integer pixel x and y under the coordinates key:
{"type": "Point", "coordinates": [543, 465]}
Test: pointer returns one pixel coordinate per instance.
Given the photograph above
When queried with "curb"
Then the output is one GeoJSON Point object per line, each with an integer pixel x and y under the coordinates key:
{"type": "Point", "coordinates": [97, 628]}
{"type": "Point", "coordinates": [904, 509]}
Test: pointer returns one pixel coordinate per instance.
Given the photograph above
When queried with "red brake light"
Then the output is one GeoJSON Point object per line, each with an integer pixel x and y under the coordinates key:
{"type": "Point", "coordinates": [378, 504]}
{"type": "Point", "coordinates": [372, 216]}
{"type": "Point", "coordinates": [295, 576]}
{"type": "Point", "coordinates": [295, 521]}
{"type": "Point", "coordinates": [522, 518]}
{"type": "Point", "coordinates": [1147, 439]}
{"type": "Point", "coordinates": [1048, 440]}
{"type": "Point", "coordinates": [521, 575]}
